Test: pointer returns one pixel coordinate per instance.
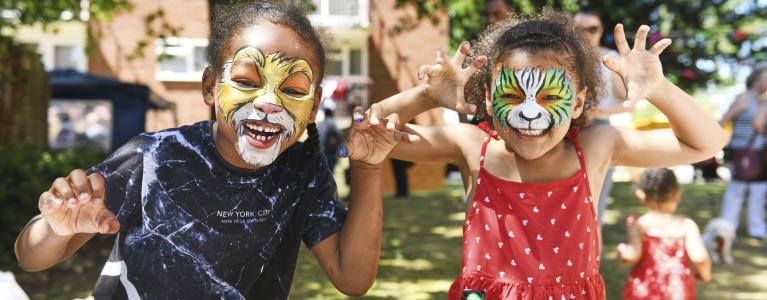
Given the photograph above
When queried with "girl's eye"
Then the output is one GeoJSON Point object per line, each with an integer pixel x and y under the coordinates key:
{"type": "Point", "coordinates": [510, 96]}
{"type": "Point", "coordinates": [293, 92]}
{"type": "Point", "coordinates": [551, 98]}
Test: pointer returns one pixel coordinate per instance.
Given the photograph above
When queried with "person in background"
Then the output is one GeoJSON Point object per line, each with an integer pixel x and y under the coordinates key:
{"type": "Point", "coordinates": [661, 245]}
{"type": "Point", "coordinates": [589, 22]}
{"type": "Point", "coordinates": [496, 10]}
{"type": "Point", "coordinates": [330, 136]}
{"type": "Point", "coordinates": [742, 113]}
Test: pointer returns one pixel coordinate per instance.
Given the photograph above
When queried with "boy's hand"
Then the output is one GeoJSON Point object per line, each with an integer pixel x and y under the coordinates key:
{"type": "Point", "coordinates": [445, 80]}
{"type": "Point", "coordinates": [75, 204]}
{"type": "Point", "coordinates": [371, 139]}
{"type": "Point", "coordinates": [640, 69]}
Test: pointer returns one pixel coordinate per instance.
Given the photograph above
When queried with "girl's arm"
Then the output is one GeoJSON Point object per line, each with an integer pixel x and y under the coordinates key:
{"type": "Point", "coordinates": [444, 87]}
{"type": "Point", "coordinates": [72, 211]}
{"type": "Point", "coordinates": [696, 250]}
{"type": "Point", "coordinates": [694, 135]}
{"type": "Point", "coordinates": [350, 257]}
{"type": "Point", "coordinates": [631, 252]}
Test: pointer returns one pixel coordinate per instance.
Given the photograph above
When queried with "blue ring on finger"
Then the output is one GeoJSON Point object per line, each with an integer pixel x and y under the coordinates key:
{"type": "Point", "coordinates": [343, 151]}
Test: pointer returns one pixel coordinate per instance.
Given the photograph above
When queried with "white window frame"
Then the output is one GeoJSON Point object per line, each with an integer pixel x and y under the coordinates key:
{"type": "Point", "coordinates": [182, 47]}
{"type": "Point", "coordinates": [344, 55]}
{"type": "Point", "coordinates": [322, 15]}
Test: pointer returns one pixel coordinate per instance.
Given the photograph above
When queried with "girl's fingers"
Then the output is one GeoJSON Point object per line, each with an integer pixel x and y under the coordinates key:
{"type": "Point", "coordinates": [466, 108]}
{"type": "Point", "coordinates": [374, 113]}
{"type": "Point", "coordinates": [476, 64]}
{"type": "Point", "coordinates": [640, 39]}
{"type": "Point", "coordinates": [392, 121]}
{"type": "Point", "coordinates": [660, 46]}
{"type": "Point", "coordinates": [460, 55]}
{"type": "Point", "coordinates": [81, 185]}
{"type": "Point", "coordinates": [63, 191]}
{"type": "Point", "coordinates": [611, 64]}
{"type": "Point", "coordinates": [620, 40]}
{"type": "Point", "coordinates": [440, 57]}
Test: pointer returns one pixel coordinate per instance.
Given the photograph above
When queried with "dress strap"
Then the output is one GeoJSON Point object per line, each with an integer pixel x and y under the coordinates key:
{"type": "Point", "coordinates": [572, 135]}
{"type": "Point", "coordinates": [482, 154]}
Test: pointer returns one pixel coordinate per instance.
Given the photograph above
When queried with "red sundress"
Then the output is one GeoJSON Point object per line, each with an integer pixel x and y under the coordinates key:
{"type": "Point", "coordinates": [531, 240]}
{"type": "Point", "coordinates": [663, 272]}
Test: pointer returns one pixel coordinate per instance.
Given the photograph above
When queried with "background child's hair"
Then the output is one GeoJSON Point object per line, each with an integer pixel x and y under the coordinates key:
{"type": "Point", "coordinates": [230, 17]}
{"type": "Point", "coordinates": [546, 31]}
{"type": "Point", "coordinates": [658, 184]}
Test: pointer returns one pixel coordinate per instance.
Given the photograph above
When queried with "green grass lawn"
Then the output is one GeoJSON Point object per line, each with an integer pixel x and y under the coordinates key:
{"type": "Point", "coordinates": [422, 248]}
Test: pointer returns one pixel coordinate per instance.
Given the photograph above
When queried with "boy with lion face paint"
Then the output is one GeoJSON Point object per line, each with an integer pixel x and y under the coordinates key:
{"type": "Point", "coordinates": [219, 208]}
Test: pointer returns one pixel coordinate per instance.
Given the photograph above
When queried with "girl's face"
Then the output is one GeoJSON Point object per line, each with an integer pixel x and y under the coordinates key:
{"type": "Point", "coordinates": [266, 93]}
{"type": "Point", "coordinates": [533, 100]}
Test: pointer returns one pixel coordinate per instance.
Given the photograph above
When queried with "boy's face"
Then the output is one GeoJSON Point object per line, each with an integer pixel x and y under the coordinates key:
{"type": "Point", "coordinates": [533, 100]}
{"type": "Point", "coordinates": [265, 95]}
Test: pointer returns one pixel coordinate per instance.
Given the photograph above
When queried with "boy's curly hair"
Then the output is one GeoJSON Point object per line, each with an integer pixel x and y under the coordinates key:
{"type": "Point", "coordinates": [547, 31]}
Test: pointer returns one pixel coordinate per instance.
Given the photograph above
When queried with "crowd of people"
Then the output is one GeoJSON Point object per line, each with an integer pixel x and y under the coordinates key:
{"type": "Point", "coordinates": [220, 208]}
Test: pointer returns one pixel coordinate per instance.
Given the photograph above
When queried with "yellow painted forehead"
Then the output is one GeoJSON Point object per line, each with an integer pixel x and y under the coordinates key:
{"type": "Point", "coordinates": [276, 60]}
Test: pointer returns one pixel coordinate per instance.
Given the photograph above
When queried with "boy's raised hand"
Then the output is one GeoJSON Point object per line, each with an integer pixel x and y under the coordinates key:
{"type": "Point", "coordinates": [639, 68]}
{"type": "Point", "coordinates": [445, 80]}
{"type": "Point", "coordinates": [371, 138]}
{"type": "Point", "coordinates": [75, 204]}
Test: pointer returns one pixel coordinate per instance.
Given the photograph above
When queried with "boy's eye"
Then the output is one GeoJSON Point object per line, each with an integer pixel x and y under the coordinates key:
{"type": "Point", "coordinates": [293, 92]}
{"type": "Point", "coordinates": [245, 84]}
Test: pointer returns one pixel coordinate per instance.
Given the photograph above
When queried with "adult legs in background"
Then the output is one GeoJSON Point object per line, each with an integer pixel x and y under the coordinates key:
{"type": "Point", "coordinates": [607, 186]}
{"type": "Point", "coordinates": [756, 193]}
{"type": "Point", "coordinates": [733, 200]}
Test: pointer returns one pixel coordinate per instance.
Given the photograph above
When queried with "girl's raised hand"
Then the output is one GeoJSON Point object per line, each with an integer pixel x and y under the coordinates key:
{"type": "Point", "coordinates": [75, 204]}
{"type": "Point", "coordinates": [445, 80]}
{"type": "Point", "coordinates": [372, 138]}
{"type": "Point", "coordinates": [639, 68]}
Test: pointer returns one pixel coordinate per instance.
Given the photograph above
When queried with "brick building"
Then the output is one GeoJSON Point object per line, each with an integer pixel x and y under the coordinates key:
{"type": "Point", "coordinates": [375, 55]}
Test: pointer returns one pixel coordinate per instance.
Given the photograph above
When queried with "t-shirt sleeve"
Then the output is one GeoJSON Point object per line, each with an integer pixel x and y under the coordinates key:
{"type": "Point", "coordinates": [122, 173]}
{"type": "Point", "coordinates": [326, 214]}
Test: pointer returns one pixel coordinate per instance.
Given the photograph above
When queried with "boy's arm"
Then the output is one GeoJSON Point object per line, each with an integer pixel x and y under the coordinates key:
{"type": "Point", "coordinates": [72, 211]}
{"type": "Point", "coordinates": [694, 135]}
{"type": "Point", "coordinates": [350, 257]}
{"type": "Point", "coordinates": [696, 250]}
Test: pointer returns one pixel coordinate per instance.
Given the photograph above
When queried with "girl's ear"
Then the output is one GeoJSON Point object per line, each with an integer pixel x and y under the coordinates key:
{"type": "Point", "coordinates": [640, 194]}
{"type": "Point", "coordinates": [317, 101]}
{"type": "Point", "coordinates": [488, 102]}
{"type": "Point", "coordinates": [580, 103]}
{"type": "Point", "coordinates": [209, 79]}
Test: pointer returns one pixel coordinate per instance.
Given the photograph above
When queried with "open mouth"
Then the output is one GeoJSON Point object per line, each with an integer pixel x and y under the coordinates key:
{"type": "Point", "coordinates": [261, 134]}
{"type": "Point", "coordinates": [530, 132]}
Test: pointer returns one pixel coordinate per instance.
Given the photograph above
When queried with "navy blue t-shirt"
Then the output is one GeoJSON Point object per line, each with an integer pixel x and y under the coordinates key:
{"type": "Point", "coordinates": [194, 226]}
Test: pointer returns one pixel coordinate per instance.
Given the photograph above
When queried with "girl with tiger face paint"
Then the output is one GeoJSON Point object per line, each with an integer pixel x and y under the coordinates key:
{"type": "Point", "coordinates": [532, 100]}
{"type": "Point", "coordinates": [531, 229]}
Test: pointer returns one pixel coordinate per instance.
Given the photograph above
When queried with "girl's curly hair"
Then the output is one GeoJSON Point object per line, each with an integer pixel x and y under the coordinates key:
{"type": "Point", "coordinates": [548, 30]}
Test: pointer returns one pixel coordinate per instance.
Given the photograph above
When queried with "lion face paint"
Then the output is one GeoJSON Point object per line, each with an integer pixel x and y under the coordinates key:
{"type": "Point", "coordinates": [268, 99]}
{"type": "Point", "coordinates": [533, 99]}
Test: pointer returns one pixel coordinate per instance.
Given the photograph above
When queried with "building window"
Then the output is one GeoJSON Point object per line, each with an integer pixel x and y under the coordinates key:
{"type": "Point", "coordinates": [181, 59]}
{"type": "Point", "coordinates": [347, 61]}
{"type": "Point", "coordinates": [344, 7]}
{"type": "Point", "coordinates": [64, 57]}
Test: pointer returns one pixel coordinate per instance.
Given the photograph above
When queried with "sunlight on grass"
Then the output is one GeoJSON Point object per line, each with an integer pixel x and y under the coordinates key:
{"type": "Point", "coordinates": [457, 216]}
{"type": "Point", "coordinates": [413, 264]}
{"type": "Point", "coordinates": [448, 232]}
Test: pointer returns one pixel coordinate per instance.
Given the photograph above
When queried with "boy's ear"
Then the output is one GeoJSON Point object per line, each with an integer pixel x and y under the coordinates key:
{"type": "Point", "coordinates": [317, 102]}
{"type": "Point", "coordinates": [208, 86]}
{"type": "Point", "coordinates": [580, 103]}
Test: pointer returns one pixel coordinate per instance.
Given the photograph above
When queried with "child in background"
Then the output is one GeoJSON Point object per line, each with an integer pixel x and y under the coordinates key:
{"type": "Point", "coordinates": [218, 209]}
{"type": "Point", "coordinates": [531, 229]}
{"type": "Point", "coordinates": [661, 245]}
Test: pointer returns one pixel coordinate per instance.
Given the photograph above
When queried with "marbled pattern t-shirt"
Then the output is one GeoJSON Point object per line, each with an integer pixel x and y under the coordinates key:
{"type": "Point", "coordinates": [195, 227]}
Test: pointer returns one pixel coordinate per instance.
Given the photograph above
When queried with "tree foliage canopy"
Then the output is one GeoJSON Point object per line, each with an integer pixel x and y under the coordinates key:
{"type": "Point", "coordinates": [710, 36]}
